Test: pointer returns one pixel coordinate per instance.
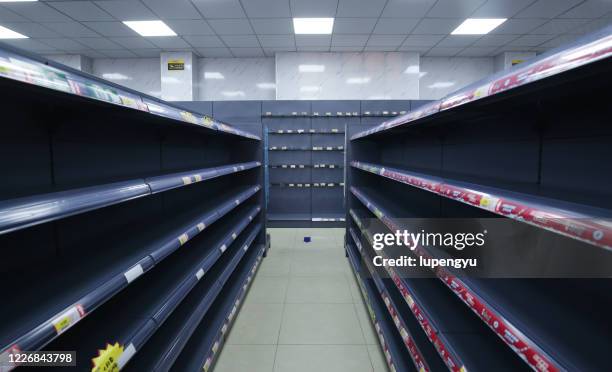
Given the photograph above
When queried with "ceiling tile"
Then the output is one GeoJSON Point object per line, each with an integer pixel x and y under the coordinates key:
{"type": "Point", "coordinates": [272, 26]}
{"type": "Point", "coordinates": [118, 53]}
{"type": "Point", "coordinates": [147, 53]}
{"type": "Point", "coordinates": [127, 10]}
{"type": "Point", "coordinates": [200, 41]}
{"type": "Point", "coordinates": [354, 25]}
{"type": "Point", "coordinates": [97, 42]}
{"type": "Point", "coordinates": [134, 42]}
{"type": "Point", "coordinates": [346, 48]}
{"type": "Point", "coordinates": [518, 26]}
{"type": "Point", "coordinates": [437, 26]}
{"type": "Point", "coordinates": [478, 52]}
{"type": "Point", "coordinates": [559, 26]}
{"type": "Point", "coordinates": [313, 49]}
{"type": "Point", "coordinates": [241, 41]}
{"type": "Point", "coordinates": [385, 40]}
{"type": "Point", "coordinates": [589, 9]}
{"type": "Point", "coordinates": [231, 26]}
{"type": "Point", "coordinates": [64, 44]}
{"type": "Point", "coordinates": [454, 8]}
{"type": "Point", "coordinates": [82, 11]}
{"type": "Point", "coordinates": [30, 29]}
{"type": "Point", "coordinates": [407, 9]}
{"type": "Point", "coordinates": [413, 48]}
{"type": "Point", "coordinates": [501, 8]}
{"type": "Point", "coordinates": [166, 42]}
{"type": "Point", "coordinates": [247, 52]}
{"type": "Point", "coordinates": [215, 52]}
{"type": "Point", "coordinates": [175, 9]}
{"type": "Point", "coordinates": [267, 8]}
{"type": "Point", "coordinates": [443, 52]}
{"type": "Point", "coordinates": [547, 8]}
{"type": "Point", "coordinates": [395, 26]}
{"type": "Point", "coordinates": [71, 29]}
{"type": "Point", "coordinates": [31, 45]}
{"type": "Point", "coordinates": [349, 40]}
{"type": "Point", "coordinates": [422, 40]}
{"type": "Point", "coordinates": [530, 40]}
{"type": "Point", "coordinates": [220, 8]}
{"type": "Point", "coordinates": [272, 51]}
{"type": "Point", "coordinates": [458, 40]}
{"type": "Point", "coordinates": [312, 40]}
{"type": "Point", "coordinates": [494, 40]}
{"type": "Point", "coordinates": [37, 11]}
{"type": "Point", "coordinates": [276, 41]}
{"type": "Point", "coordinates": [10, 16]}
{"type": "Point", "coordinates": [559, 41]}
{"type": "Point", "coordinates": [592, 26]}
{"type": "Point", "coordinates": [190, 27]}
{"type": "Point", "coordinates": [110, 28]}
{"type": "Point", "coordinates": [360, 8]}
{"type": "Point", "coordinates": [314, 8]}
{"type": "Point", "coordinates": [375, 48]}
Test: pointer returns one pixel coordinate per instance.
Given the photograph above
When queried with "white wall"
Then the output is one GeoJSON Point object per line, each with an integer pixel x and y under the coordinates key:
{"type": "Point", "coordinates": [236, 79]}
{"type": "Point", "coordinates": [141, 74]}
{"type": "Point", "coordinates": [441, 76]}
{"type": "Point", "coordinates": [358, 76]}
{"type": "Point", "coordinates": [267, 79]}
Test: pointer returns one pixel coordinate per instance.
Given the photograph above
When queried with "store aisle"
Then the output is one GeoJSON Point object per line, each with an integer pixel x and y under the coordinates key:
{"type": "Point", "coordinates": [304, 312]}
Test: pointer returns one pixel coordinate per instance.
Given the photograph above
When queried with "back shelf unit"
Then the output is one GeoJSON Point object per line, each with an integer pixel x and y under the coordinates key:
{"type": "Point", "coordinates": [524, 145]}
{"type": "Point", "coordinates": [118, 203]}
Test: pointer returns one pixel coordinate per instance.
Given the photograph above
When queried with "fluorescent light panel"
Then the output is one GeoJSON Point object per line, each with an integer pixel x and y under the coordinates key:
{"type": "Point", "coordinates": [6, 33]}
{"type": "Point", "coordinates": [478, 26]}
{"type": "Point", "coordinates": [150, 28]}
{"type": "Point", "coordinates": [313, 26]}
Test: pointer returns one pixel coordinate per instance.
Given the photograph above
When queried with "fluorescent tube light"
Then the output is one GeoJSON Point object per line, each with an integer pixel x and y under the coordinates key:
{"type": "Point", "coordinates": [478, 26]}
{"type": "Point", "coordinates": [311, 68]}
{"type": "Point", "coordinates": [313, 26]}
{"type": "Point", "coordinates": [6, 33]}
{"type": "Point", "coordinates": [150, 28]}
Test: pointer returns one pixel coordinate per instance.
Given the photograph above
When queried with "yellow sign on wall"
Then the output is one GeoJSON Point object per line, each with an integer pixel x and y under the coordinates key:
{"type": "Point", "coordinates": [176, 64]}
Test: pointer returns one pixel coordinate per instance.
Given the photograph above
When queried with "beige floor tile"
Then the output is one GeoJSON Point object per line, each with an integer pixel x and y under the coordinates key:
{"type": "Point", "coordinates": [327, 358]}
{"type": "Point", "coordinates": [257, 324]}
{"type": "Point", "coordinates": [242, 358]}
{"type": "Point", "coordinates": [268, 290]}
{"type": "Point", "coordinates": [319, 289]}
{"type": "Point", "coordinates": [275, 265]}
{"type": "Point", "coordinates": [365, 322]}
{"type": "Point", "coordinates": [378, 358]}
{"type": "Point", "coordinates": [320, 324]}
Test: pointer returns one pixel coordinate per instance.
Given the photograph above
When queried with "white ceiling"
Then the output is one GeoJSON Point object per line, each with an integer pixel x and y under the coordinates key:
{"type": "Point", "coordinates": [255, 28]}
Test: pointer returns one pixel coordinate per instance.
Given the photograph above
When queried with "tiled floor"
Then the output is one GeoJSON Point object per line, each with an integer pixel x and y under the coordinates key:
{"type": "Point", "coordinates": [304, 312]}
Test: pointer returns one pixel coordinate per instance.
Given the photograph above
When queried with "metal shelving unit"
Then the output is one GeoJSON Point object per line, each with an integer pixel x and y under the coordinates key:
{"type": "Point", "coordinates": [124, 219]}
{"type": "Point", "coordinates": [521, 147]}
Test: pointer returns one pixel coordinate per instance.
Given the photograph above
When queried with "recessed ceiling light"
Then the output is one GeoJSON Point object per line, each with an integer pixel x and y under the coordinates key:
{"type": "Point", "coordinates": [6, 33]}
{"type": "Point", "coordinates": [150, 28]}
{"type": "Point", "coordinates": [311, 68]}
{"type": "Point", "coordinates": [313, 26]}
{"type": "Point", "coordinates": [478, 26]}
